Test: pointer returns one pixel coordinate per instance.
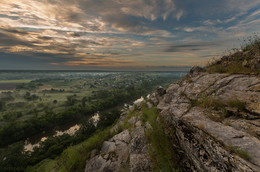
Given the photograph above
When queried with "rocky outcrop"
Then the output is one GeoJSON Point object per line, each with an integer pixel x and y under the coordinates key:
{"type": "Point", "coordinates": [212, 120]}
{"type": "Point", "coordinates": [126, 151]}
{"type": "Point", "coordinates": [217, 120]}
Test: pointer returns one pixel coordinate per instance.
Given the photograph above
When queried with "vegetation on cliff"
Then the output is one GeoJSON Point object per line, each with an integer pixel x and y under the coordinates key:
{"type": "Point", "coordinates": [245, 60]}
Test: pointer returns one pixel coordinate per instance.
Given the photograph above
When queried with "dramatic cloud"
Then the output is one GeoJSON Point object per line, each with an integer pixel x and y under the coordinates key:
{"type": "Point", "coordinates": [89, 34]}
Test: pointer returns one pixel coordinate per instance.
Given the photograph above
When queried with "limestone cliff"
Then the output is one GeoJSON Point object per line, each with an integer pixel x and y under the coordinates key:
{"type": "Point", "coordinates": [217, 120]}
{"type": "Point", "coordinates": [211, 121]}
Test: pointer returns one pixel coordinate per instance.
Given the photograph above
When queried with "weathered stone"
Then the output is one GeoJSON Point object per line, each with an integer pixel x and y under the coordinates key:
{"type": "Point", "coordinates": [93, 153]}
{"type": "Point", "coordinates": [209, 136]}
{"type": "Point", "coordinates": [197, 70]}
{"type": "Point", "coordinates": [204, 140]}
{"type": "Point", "coordinates": [108, 147]}
{"type": "Point", "coordinates": [140, 163]}
{"type": "Point", "coordinates": [161, 91]}
{"type": "Point", "coordinates": [126, 150]}
{"type": "Point", "coordinates": [138, 143]}
{"type": "Point", "coordinates": [95, 164]}
{"type": "Point", "coordinates": [124, 136]}
{"type": "Point", "coordinates": [255, 63]}
{"type": "Point", "coordinates": [149, 105]}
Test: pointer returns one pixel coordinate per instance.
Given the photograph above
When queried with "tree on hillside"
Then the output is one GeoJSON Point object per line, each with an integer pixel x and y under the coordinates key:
{"type": "Point", "coordinates": [71, 100]}
{"type": "Point", "coordinates": [83, 101]}
{"type": "Point", "coordinates": [2, 104]}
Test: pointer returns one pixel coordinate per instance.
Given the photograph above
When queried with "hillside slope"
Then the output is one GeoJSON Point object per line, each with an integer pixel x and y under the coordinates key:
{"type": "Point", "coordinates": [217, 120]}
{"type": "Point", "coordinates": [209, 122]}
{"type": "Point", "coordinates": [212, 120]}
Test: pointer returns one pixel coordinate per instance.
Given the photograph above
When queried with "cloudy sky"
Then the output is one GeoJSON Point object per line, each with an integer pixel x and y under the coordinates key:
{"type": "Point", "coordinates": [121, 34]}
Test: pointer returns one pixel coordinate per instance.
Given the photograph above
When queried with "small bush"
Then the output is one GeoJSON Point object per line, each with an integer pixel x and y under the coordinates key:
{"type": "Point", "coordinates": [237, 103]}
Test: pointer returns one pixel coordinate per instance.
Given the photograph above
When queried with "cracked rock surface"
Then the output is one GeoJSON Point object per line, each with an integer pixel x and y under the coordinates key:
{"type": "Point", "coordinates": [125, 151]}
{"type": "Point", "coordinates": [215, 119]}
{"type": "Point", "coordinates": [213, 138]}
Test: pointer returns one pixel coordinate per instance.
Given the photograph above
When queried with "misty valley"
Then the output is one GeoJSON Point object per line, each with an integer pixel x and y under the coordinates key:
{"type": "Point", "coordinates": [44, 112]}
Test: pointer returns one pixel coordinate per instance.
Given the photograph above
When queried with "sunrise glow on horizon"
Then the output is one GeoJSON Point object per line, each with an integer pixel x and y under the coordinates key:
{"type": "Point", "coordinates": [121, 34]}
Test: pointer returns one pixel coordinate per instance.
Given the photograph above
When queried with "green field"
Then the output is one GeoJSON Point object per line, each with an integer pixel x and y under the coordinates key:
{"type": "Point", "coordinates": [14, 81]}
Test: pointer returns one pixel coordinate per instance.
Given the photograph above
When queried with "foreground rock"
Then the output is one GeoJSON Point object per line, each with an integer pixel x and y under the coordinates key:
{"type": "Point", "coordinates": [218, 136]}
{"type": "Point", "coordinates": [126, 151]}
{"type": "Point", "coordinates": [212, 120]}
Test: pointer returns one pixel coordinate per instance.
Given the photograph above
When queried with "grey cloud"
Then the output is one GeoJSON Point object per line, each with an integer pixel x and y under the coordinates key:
{"type": "Point", "coordinates": [85, 43]}
{"type": "Point", "coordinates": [113, 13]}
{"type": "Point", "coordinates": [13, 30]}
{"type": "Point", "coordinates": [10, 40]}
{"type": "Point", "coordinates": [45, 37]}
{"type": "Point", "coordinates": [75, 34]}
{"type": "Point", "coordinates": [190, 47]}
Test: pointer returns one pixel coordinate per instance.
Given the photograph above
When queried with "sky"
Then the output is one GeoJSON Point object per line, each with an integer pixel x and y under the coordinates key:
{"type": "Point", "coordinates": [122, 34]}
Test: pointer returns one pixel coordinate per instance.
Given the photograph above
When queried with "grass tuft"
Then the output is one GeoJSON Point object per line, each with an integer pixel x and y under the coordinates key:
{"type": "Point", "coordinates": [239, 61]}
{"type": "Point", "coordinates": [208, 102]}
{"type": "Point", "coordinates": [242, 153]}
{"type": "Point", "coordinates": [237, 103]}
{"type": "Point", "coordinates": [160, 150]}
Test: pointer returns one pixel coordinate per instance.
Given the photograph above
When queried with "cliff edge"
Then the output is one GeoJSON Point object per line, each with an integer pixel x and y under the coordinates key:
{"type": "Point", "coordinates": [208, 121]}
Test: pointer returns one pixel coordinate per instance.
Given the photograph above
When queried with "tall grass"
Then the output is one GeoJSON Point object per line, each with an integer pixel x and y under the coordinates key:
{"type": "Point", "coordinates": [160, 150]}
{"type": "Point", "coordinates": [249, 48]}
{"type": "Point", "coordinates": [250, 42]}
{"type": "Point", "coordinates": [234, 68]}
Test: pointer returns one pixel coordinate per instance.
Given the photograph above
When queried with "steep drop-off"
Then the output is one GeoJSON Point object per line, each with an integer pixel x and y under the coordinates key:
{"type": "Point", "coordinates": [205, 122]}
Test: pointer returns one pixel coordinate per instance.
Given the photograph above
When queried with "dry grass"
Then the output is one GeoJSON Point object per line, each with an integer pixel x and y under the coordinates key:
{"type": "Point", "coordinates": [249, 48]}
{"type": "Point", "coordinates": [234, 68]}
{"type": "Point", "coordinates": [237, 103]}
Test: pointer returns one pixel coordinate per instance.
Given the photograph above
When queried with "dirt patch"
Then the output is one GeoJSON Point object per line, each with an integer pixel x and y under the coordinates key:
{"type": "Point", "coordinates": [45, 87]}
